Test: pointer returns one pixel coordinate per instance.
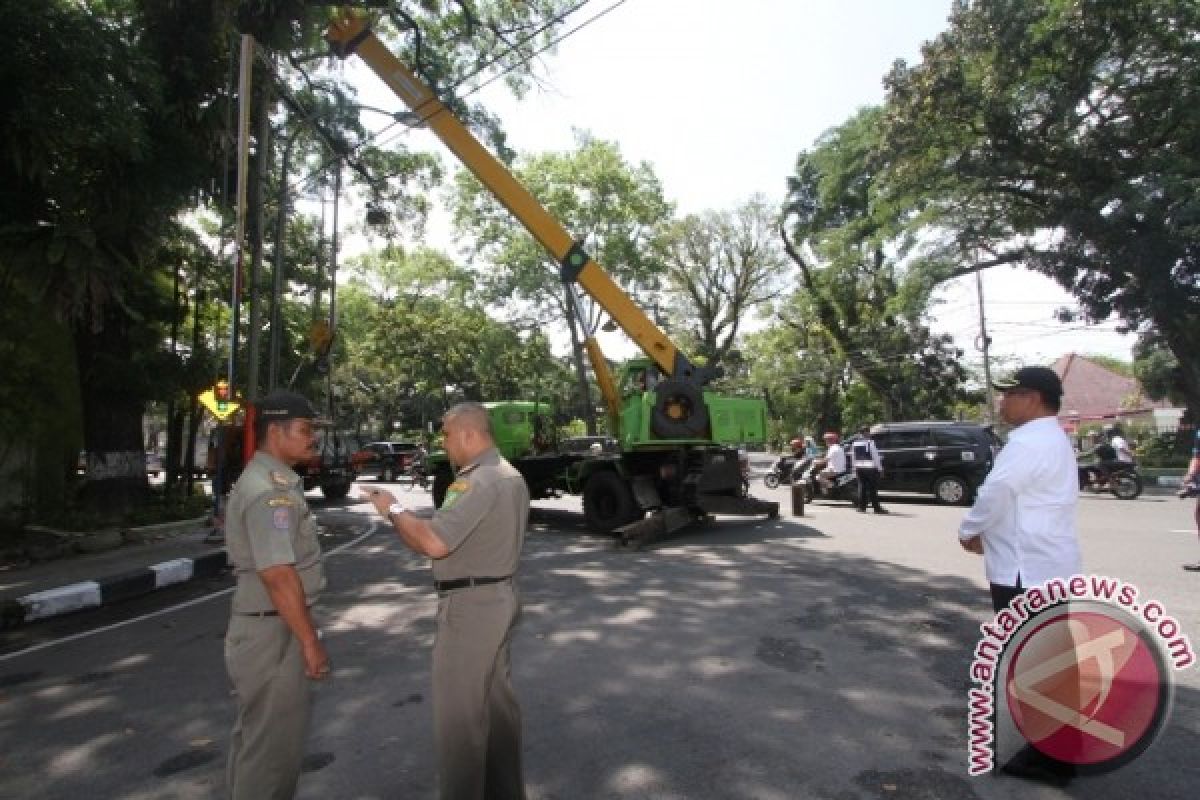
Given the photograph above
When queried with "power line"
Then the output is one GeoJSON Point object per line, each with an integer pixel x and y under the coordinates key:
{"type": "Point", "coordinates": [512, 48]}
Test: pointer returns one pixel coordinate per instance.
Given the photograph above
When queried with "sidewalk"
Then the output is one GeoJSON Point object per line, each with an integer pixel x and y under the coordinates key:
{"type": "Point", "coordinates": [86, 580]}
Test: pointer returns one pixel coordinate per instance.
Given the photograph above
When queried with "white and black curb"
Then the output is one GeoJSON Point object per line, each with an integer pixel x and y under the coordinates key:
{"type": "Point", "coordinates": [93, 594]}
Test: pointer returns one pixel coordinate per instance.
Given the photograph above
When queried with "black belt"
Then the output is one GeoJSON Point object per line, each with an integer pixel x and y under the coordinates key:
{"type": "Point", "coordinates": [466, 583]}
{"type": "Point", "coordinates": [258, 613]}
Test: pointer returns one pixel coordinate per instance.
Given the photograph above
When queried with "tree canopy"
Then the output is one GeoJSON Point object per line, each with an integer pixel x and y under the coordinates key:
{"type": "Point", "coordinates": [1064, 136]}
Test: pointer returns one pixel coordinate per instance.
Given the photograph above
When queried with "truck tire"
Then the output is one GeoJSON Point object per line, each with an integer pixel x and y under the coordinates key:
{"type": "Point", "coordinates": [336, 491]}
{"type": "Point", "coordinates": [442, 479]}
{"type": "Point", "coordinates": [608, 502]}
{"type": "Point", "coordinates": [679, 411]}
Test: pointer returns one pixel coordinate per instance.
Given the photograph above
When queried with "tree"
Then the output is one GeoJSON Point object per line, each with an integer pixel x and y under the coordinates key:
{"type": "Point", "coordinates": [417, 337]}
{"type": "Point", "coordinates": [611, 207]}
{"type": "Point", "coordinates": [1064, 136]}
{"type": "Point", "coordinates": [110, 132]}
{"type": "Point", "coordinates": [114, 124]}
{"type": "Point", "coordinates": [720, 266]}
{"type": "Point", "coordinates": [854, 292]}
{"type": "Point", "coordinates": [801, 379]}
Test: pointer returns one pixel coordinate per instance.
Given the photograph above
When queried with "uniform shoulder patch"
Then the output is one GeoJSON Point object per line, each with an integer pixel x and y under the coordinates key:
{"type": "Point", "coordinates": [281, 519]}
{"type": "Point", "coordinates": [455, 491]}
{"type": "Point", "coordinates": [279, 479]}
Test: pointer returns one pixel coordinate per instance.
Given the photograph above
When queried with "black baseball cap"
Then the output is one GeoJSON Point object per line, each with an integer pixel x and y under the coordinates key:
{"type": "Point", "coordinates": [280, 406]}
{"type": "Point", "coordinates": [1041, 379]}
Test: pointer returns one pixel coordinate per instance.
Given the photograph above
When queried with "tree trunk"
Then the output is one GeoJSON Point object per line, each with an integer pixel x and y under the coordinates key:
{"type": "Point", "coordinates": [112, 416]}
{"type": "Point", "coordinates": [585, 393]}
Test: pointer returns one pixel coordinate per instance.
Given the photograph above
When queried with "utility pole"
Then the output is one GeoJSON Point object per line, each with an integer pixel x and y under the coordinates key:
{"type": "Point", "coordinates": [984, 343]}
{"type": "Point", "coordinates": [277, 273]}
{"type": "Point", "coordinates": [258, 194]}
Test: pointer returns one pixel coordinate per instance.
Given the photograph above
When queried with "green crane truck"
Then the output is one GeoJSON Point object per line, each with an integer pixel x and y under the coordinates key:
{"type": "Point", "coordinates": [678, 461]}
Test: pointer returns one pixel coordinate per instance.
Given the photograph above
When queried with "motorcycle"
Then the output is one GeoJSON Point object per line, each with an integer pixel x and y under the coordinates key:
{"type": "Point", "coordinates": [844, 486]}
{"type": "Point", "coordinates": [786, 470]}
{"type": "Point", "coordinates": [1123, 479]}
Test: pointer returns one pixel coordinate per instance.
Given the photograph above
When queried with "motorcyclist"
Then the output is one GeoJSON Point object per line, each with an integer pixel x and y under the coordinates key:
{"type": "Point", "coordinates": [835, 460]}
{"type": "Point", "coordinates": [1112, 452]}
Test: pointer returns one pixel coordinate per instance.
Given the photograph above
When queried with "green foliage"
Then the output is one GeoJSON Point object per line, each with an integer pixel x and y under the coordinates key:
{"type": "Point", "coordinates": [1065, 136]}
{"type": "Point", "coordinates": [416, 340]}
{"type": "Point", "coordinates": [858, 299]}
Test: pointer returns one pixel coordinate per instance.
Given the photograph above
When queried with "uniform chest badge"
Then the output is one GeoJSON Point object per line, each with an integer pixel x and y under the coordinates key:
{"type": "Point", "coordinates": [281, 500]}
{"type": "Point", "coordinates": [281, 519]}
{"type": "Point", "coordinates": [455, 491]}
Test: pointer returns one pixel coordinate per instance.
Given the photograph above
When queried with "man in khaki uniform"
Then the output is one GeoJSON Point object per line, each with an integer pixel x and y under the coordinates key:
{"type": "Point", "coordinates": [475, 540]}
{"type": "Point", "coordinates": [272, 649]}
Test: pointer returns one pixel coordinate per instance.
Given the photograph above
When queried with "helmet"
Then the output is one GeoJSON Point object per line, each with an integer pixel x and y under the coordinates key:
{"type": "Point", "coordinates": [796, 444]}
{"type": "Point", "coordinates": [830, 436]}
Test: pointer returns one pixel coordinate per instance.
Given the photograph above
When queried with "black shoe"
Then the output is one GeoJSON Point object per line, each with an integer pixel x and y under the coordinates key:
{"type": "Point", "coordinates": [1034, 765]}
{"type": "Point", "coordinates": [1192, 567]}
{"type": "Point", "coordinates": [863, 511]}
{"type": "Point", "coordinates": [881, 511]}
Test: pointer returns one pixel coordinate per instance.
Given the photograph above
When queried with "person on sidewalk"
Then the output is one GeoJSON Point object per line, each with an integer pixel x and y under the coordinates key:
{"type": "Point", "coordinates": [475, 541]}
{"type": "Point", "coordinates": [1189, 490]}
{"type": "Point", "coordinates": [868, 466]}
{"type": "Point", "coordinates": [1023, 520]}
{"type": "Point", "coordinates": [272, 648]}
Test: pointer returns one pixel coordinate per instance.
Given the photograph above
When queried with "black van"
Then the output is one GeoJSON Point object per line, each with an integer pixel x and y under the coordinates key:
{"type": "Point", "coordinates": [946, 459]}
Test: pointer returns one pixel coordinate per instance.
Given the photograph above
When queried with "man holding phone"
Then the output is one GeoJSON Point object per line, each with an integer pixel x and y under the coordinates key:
{"type": "Point", "coordinates": [475, 540]}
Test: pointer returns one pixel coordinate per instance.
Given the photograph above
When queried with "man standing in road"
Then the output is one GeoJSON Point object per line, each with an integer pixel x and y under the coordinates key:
{"type": "Point", "coordinates": [475, 542]}
{"type": "Point", "coordinates": [1190, 490]}
{"type": "Point", "coordinates": [868, 466]}
{"type": "Point", "coordinates": [1023, 520]}
{"type": "Point", "coordinates": [272, 648]}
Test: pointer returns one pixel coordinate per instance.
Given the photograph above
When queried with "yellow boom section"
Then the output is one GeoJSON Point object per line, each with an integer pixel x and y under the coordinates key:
{"type": "Point", "coordinates": [350, 34]}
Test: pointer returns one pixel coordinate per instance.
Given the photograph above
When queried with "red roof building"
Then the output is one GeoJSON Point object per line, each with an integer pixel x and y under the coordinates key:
{"type": "Point", "coordinates": [1092, 392]}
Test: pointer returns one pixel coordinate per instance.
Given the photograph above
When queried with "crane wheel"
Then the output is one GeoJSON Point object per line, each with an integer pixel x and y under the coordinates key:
{"type": "Point", "coordinates": [679, 411]}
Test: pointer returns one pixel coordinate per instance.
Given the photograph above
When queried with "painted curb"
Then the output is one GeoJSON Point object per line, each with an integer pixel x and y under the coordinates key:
{"type": "Point", "coordinates": [93, 594]}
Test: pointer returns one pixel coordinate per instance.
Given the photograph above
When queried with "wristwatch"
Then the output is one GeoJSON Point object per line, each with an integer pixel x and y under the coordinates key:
{"type": "Point", "coordinates": [395, 508]}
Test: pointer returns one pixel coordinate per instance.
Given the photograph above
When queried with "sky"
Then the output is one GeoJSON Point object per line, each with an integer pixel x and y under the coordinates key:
{"type": "Point", "coordinates": [720, 97]}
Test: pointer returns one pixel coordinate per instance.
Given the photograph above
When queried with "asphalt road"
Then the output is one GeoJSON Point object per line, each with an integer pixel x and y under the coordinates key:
{"type": "Point", "coordinates": [824, 656]}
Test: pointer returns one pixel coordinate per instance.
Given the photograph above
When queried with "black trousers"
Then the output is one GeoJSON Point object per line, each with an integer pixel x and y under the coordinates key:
{"type": "Point", "coordinates": [868, 489]}
{"type": "Point", "coordinates": [1003, 595]}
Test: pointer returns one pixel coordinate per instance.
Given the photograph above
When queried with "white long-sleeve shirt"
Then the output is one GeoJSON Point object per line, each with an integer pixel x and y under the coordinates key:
{"type": "Point", "coordinates": [835, 459]}
{"type": "Point", "coordinates": [1025, 510]}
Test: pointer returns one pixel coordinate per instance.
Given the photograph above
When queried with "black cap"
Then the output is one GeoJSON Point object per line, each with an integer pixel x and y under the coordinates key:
{"type": "Point", "coordinates": [280, 406]}
{"type": "Point", "coordinates": [1042, 379]}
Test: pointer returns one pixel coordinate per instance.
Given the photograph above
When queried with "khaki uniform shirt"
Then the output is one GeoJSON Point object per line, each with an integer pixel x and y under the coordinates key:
{"type": "Point", "coordinates": [268, 523]}
{"type": "Point", "coordinates": [482, 520]}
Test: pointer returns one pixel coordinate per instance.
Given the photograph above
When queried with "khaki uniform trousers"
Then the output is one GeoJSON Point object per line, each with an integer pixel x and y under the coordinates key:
{"type": "Point", "coordinates": [476, 719]}
{"type": "Point", "coordinates": [273, 702]}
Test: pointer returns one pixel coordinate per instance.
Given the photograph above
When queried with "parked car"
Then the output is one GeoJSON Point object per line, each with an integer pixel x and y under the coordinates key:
{"type": "Point", "coordinates": [946, 459]}
{"type": "Point", "coordinates": [385, 460]}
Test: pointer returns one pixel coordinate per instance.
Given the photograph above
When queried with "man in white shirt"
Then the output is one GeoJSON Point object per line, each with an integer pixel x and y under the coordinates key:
{"type": "Point", "coordinates": [835, 460]}
{"type": "Point", "coordinates": [1023, 520]}
{"type": "Point", "coordinates": [1124, 451]}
